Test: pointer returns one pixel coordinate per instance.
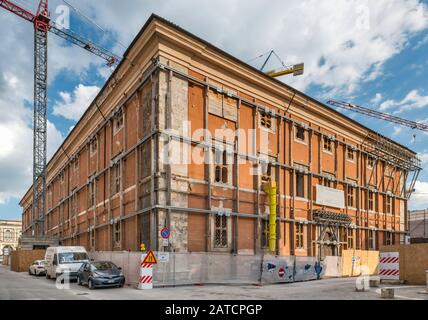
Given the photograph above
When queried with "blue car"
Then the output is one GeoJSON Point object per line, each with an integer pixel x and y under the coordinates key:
{"type": "Point", "coordinates": [100, 274]}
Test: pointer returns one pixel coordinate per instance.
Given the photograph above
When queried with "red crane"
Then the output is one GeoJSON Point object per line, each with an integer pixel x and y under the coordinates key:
{"type": "Point", "coordinates": [42, 25]}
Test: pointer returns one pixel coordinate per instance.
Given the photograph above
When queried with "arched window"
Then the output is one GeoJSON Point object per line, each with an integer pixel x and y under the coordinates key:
{"type": "Point", "coordinates": [8, 235]}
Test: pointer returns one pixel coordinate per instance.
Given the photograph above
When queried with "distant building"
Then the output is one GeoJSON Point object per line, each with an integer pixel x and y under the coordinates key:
{"type": "Point", "coordinates": [10, 231]}
{"type": "Point", "coordinates": [418, 226]}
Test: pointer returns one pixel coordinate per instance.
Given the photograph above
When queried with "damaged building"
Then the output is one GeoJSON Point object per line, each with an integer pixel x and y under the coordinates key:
{"type": "Point", "coordinates": [186, 136]}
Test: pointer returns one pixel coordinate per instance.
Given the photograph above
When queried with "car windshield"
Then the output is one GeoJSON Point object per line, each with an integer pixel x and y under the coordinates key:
{"type": "Point", "coordinates": [72, 257]}
{"type": "Point", "coordinates": [102, 266]}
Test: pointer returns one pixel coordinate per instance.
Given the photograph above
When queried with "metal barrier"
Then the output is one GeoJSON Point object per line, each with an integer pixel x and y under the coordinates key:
{"type": "Point", "coordinates": [215, 268]}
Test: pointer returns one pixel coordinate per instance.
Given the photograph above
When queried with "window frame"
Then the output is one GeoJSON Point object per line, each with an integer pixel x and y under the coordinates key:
{"type": "Point", "coordinates": [327, 144]}
{"type": "Point", "coordinates": [299, 236]}
{"type": "Point", "coordinates": [300, 192]}
{"type": "Point", "coordinates": [222, 242]}
{"type": "Point", "coordinates": [300, 129]}
{"type": "Point", "coordinates": [118, 121]}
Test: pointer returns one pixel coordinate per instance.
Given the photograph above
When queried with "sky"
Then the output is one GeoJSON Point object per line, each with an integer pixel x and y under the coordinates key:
{"type": "Point", "coordinates": [371, 53]}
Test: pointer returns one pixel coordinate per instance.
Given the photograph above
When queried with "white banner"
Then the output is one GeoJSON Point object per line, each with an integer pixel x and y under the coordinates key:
{"type": "Point", "coordinates": [330, 197]}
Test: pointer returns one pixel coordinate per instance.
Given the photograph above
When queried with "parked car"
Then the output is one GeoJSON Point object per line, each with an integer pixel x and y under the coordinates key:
{"type": "Point", "coordinates": [97, 274]}
{"type": "Point", "coordinates": [65, 260]}
{"type": "Point", "coordinates": [37, 268]}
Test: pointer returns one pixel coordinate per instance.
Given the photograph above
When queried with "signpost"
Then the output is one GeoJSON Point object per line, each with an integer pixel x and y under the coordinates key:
{"type": "Point", "coordinates": [146, 270]}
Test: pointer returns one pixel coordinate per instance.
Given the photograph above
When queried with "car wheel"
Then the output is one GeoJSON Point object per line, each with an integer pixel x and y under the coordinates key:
{"type": "Point", "coordinates": [47, 275]}
{"type": "Point", "coordinates": [90, 284]}
{"type": "Point", "coordinates": [29, 272]}
{"type": "Point", "coordinates": [79, 282]}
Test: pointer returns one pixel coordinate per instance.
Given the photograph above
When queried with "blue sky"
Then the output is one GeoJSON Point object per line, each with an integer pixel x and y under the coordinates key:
{"type": "Point", "coordinates": [372, 53]}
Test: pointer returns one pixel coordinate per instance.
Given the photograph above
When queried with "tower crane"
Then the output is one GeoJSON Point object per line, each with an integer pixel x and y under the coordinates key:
{"type": "Point", "coordinates": [379, 115]}
{"type": "Point", "coordinates": [42, 25]}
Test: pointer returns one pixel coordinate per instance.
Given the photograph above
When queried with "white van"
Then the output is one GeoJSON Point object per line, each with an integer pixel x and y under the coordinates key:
{"type": "Point", "coordinates": [64, 260]}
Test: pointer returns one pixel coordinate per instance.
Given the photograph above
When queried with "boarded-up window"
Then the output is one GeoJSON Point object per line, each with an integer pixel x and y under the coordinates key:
{"type": "Point", "coordinates": [388, 204]}
{"type": "Point", "coordinates": [300, 184]}
{"type": "Point", "coordinates": [115, 176]}
{"type": "Point", "coordinates": [371, 201]}
{"type": "Point", "coordinates": [299, 236]}
{"type": "Point", "coordinates": [118, 121]}
{"type": "Point", "coordinates": [222, 166]}
{"type": "Point", "coordinates": [300, 133]}
{"type": "Point", "coordinates": [91, 194]}
{"type": "Point", "coordinates": [220, 231]}
{"type": "Point", "coordinates": [350, 238]}
{"type": "Point", "coordinates": [327, 144]}
{"type": "Point", "coordinates": [117, 232]}
{"type": "Point", "coordinates": [265, 233]}
{"type": "Point", "coordinates": [351, 196]}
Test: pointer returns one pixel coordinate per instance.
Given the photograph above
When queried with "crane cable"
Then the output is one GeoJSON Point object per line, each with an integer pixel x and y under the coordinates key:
{"type": "Point", "coordinates": [90, 21]}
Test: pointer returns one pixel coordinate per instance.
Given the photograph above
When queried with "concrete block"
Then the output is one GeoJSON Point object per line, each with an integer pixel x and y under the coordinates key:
{"type": "Point", "coordinates": [387, 293]}
{"type": "Point", "coordinates": [374, 282]}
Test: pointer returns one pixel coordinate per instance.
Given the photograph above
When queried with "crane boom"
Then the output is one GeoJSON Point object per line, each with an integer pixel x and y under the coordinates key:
{"type": "Point", "coordinates": [379, 115]}
{"type": "Point", "coordinates": [42, 25]}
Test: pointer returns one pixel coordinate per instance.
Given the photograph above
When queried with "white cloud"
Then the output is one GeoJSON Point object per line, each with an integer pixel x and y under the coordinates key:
{"type": "Point", "coordinates": [72, 105]}
{"type": "Point", "coordinates": [377, 98]}
{"type": "Point", "coordinates": [330, 32]}
{"type": "Point", "coordinates": [419, 199]}
{"type": "Point", "coordinates": [413, 100]}
{"type": "Point", "coordinates": [397, 130]}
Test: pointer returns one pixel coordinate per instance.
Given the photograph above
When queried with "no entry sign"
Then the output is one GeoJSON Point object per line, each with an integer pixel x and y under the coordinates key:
{"type": "Point", "coordinates": [281, 272]}
{"type": "Point", "coordinates": [165, 233]}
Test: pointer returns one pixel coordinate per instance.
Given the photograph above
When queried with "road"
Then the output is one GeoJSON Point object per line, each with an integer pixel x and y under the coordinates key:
{"type": "Point", "coordinates": [21, 286]}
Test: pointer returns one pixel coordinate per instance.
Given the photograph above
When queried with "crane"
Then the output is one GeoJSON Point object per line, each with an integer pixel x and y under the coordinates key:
{"type": "Point", "coordinates": [42, 25]}
{"type": "Point", "coordinates": [379, 115]}
{"type": "Point", "coordinates": [296, 69]}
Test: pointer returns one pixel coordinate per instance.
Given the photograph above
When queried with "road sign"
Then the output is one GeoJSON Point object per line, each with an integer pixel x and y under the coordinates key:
{"type": "Point", "coordinates": [163, 256]}
{"type": "Point", "coordinates": [150, 258]}
{"type": "Point", "coordinates": [389, 266]}
{"type": "Point", "coordinates": [165, 243]}
{"type": "Point", "coordinates": [281, 272]}
{"type": "Point", "coordinates": [165, 233]}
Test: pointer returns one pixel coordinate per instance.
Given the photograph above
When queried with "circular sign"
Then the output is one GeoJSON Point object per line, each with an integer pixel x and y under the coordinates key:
{"type": "Point", "coordinates": [165, 233]}
{"type": "Point", "coordinates": [281, 272]}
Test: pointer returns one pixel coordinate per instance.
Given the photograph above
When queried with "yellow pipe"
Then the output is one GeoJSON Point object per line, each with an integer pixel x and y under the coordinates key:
{"type": "Point", "coordinates": [271, 191]}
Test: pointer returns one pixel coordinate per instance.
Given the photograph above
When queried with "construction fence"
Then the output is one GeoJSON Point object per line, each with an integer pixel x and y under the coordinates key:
{"type": "Point", "coordinates": [352, 263]}
{"type": "Point", "coordinates": [216, 268]}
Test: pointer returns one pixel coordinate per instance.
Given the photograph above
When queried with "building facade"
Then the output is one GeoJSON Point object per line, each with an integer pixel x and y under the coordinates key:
{"type": "Point", "coordinates": [184, 135]}
{"type": "Point", "coordinates": [418, 222]}
{"type": "Point", "coordinates": [10, 231]}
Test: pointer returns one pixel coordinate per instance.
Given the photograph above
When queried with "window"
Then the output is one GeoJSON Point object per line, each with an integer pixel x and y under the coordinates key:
{"type": "Point", "coordinates": [350, 238]}
{"type": "Point", "coordinates": [265, 120]}
{"type": "Point", "coordinates": [118, 121]}
{"type": "Point", "coordinates": [299, 236]}
{"type": "Point", "coordinates": [327, 144]}
{"type": "Point", "coordinates": [221, 168]}
{"type": "Point", "coordinates": [115, 175]}
{"type": "Point", "coordinates": [371, 201]}
{"type": "Point", "coordinates": [327, 182]}
{"type": "Point", "coordinates": [8, 235]}
{"type": "Point", "coordinates": [76, 163]}
{"type": "Point", "coordinates": [91, 193]}
{"type": "Point", "coordinates": [389, 238]}
{"type": "Point", "coordinates": [300, 184]}
{"type": "Point", "coordinates": [388, 204]}
{"type": "Point", "coordinates": [74, 203]}
{"type": "Point", "coordinates": [350, 153]}
{"type": "Point", "coordinates": [94, 146]}
{"type": "Point", "coordinates": [265, 233]}
{"type": "Point", "coordinates": [300, 133]}
{"type": "Point", "coordinates": [117, 233]}
{"type": "Point", "coordinates": [370, 162]}
{"type": "Point", "coordinates": [351, 196]}
{"type": "Point", "coordinates": [220, 231]}
{"type": "Point", "coordinates": [372, 240]}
